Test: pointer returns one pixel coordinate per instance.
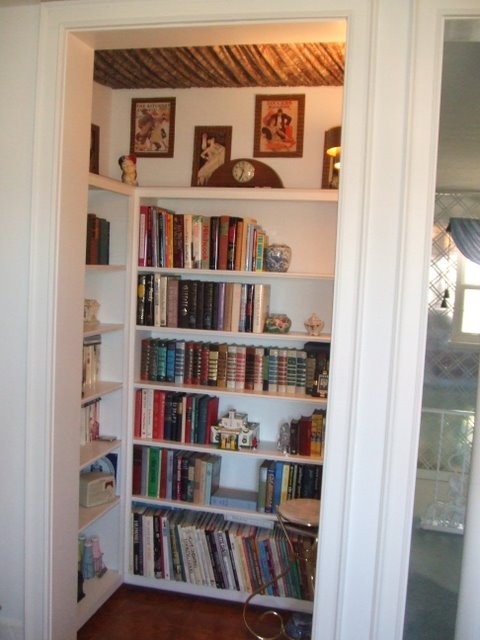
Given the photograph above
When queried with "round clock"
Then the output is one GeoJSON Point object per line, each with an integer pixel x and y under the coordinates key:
{"type": "Point", "coordinates": [245, 172]}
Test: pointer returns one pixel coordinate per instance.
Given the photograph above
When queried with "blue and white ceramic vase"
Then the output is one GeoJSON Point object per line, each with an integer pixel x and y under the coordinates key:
{"type": "Point", "coordinates": [276, 257]}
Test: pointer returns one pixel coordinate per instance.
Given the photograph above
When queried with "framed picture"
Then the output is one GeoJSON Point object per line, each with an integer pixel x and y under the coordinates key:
{"type": "Point", "coordinates": [212, 148]}
{"type": "Point", "coordinates": [152, 130]}
{"type": "Point", "coordinates": [279, 126]}
{"type": "Point", "coordinates": [94, 148]}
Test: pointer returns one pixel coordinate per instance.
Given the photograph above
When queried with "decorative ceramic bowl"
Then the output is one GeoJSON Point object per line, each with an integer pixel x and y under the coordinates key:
{"type": "Point", "coordinates": [278, 323]}
{"type": "Point", "coordinates": [277, 257]}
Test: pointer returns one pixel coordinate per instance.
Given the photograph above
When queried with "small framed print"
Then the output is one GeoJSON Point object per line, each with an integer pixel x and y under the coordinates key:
{"type": "Point", "coordinates": [152, 130]}
{"type": "Point", "coordinates": [279, 126]}
{"type": "Point", "coordinates": [94, 148]}
{"type": "Point", "coordinates": [212, 148]}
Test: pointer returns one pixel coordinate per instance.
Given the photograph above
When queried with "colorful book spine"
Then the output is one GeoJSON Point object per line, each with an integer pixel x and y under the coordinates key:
{"type": "Point", "coordinates": [273, 370]}
{"type": "Point", "coordinates": [282, 371]}
{"type": "Point", "coordinates": [179, 361]}
{"type": "Point", "coordinates": [188, 240]}
{"type": "Point", "coordinates": [301, 371]}
{"type": "Point", "coordinates": [240, 367]}
{"type": "Point", "coordinates": [231, 366]}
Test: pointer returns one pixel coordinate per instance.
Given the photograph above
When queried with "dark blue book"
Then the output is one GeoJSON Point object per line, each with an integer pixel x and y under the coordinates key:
{"type": "Point", "coordinates": [170, 371]}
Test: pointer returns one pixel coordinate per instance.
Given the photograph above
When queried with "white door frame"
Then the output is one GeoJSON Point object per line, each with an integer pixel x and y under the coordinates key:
{"type": "Point", "coordinates": [385, 213]}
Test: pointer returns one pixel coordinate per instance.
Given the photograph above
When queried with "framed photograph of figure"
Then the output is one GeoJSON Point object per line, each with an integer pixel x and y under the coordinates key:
{"type": "Point", "coordinates": [152, 130]}
{"type": "Point", "coordinates": [212, 147]}
{"type": "Point", "coordinates": [279, 126]}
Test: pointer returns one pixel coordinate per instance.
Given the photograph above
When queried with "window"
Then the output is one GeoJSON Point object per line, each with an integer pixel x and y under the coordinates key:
{"type": "Point", "coordinates": [466, 314]}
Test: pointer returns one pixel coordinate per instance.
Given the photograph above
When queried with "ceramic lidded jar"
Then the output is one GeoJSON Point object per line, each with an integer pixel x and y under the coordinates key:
{"type": "Point", "coordinates": [277, 257]}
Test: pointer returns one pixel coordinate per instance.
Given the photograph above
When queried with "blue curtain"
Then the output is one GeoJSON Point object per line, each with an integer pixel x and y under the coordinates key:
{"type": "Point", "coordinates": [466, 235]}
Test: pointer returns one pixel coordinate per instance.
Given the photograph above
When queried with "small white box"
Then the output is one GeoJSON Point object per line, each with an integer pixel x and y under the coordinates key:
{"type": "Point", "coordinates": [96, 487]}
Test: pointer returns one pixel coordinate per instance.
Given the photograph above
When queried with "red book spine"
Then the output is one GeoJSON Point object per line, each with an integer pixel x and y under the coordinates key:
{"type": "Point", "coordinates": [137, 424]}
{"type": "Point", "coordinates": [188, 418]}
{"type": "Point", "coordinates": [305, 436]}
{"type": "Point", "coordinates": [158, 414]}
{"type": "Point", "coordinates": [188, 367]}
{"type": "Point", "coordinates": [205, 357]}
{"type": "Point", "coordinates": [240, 367]}
{"type": "Point", "coordinates": [223, 242]}
{"type": "Point", "coordinates": [250, 367]}
{"type": "Point", "coordinates": [212, 416]}
{"type": "Point", "coordinates": [163, 474]}
{"type": "Point", "coordinates": [178, 241]}
{"type": "Point", "coordinates": [197, 362]}
{"type": "Point", "coordinates": [205, 242]}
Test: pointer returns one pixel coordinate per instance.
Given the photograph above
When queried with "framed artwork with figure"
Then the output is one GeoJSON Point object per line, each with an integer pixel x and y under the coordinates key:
{"type": "Point", "coordinates": [279, 126]}
{"type": "Point", "coordinates": [152, 129]}
{"type": "Point", "coordinates": [212, 148]}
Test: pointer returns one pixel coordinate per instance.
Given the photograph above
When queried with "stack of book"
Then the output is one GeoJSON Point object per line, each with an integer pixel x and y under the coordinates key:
{"type": "Point", "coordinates": [206, 550]}
{"type": "Point", "coordinates": [90, 421]}
{"type": "Point", "coordinates": [174, 415]}
{"type": "Point", "coordinates": [98, 240]}
{"type": "Point", "coordinates": [91, 363]}
{"type": "Point", "coordinates": [175, 475]}
{"type": "Point", "coordinates": [171, 301]}
{"type": "Point", "coordinates": [195, 241]}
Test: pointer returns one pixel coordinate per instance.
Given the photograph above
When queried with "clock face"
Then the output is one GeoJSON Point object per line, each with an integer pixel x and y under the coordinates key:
{"type": "Point", "coordinates": [243, 171]}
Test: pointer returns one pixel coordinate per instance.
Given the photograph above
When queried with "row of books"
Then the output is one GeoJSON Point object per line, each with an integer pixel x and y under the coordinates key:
{"type": "Point", "coordinates": [196, 241]}
{"type": "Point", "coordinates": [171, 301]}
{"type": "Point", "coordinates": [174, 415]}
{"type": "Point", "coordinates": [307, 434]}
{"type": "Point", "coordinates": [206, 550]}
{"type": "Point", "coordinates": [98, 240]}
{"type": "Point", "coordinates": [175, 475]}
{"type": "Point", "coordinates": [90, 421]}
{"type": "Point", "coordinates": [90, 362]}
{"type": "Point", "coordinates": [194, 477]}
{"type": "Point", "coordinates": [236, 366]}
{"type": "Point", "coordinates": [279, 481]}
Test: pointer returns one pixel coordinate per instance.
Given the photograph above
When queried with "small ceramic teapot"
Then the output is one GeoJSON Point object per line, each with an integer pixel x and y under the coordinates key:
{"type": "Point", "coordinates": [314, 325]}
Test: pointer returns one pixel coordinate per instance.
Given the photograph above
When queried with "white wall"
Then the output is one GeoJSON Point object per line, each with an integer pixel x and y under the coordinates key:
{"type": "Point", "coordinates": [18, 26]}
{"type": "Point", "coordinates": [219, 107]}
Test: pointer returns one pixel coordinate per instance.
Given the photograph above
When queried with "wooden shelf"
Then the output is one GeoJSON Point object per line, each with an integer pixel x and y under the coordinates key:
{"type": "Point", "coordinates": [100, 328]}
{"type": "Point", "coordinates": [221, 193]}
{"type": "Point", "coordinates": [88, 515]}
{"type": "Point", "coordinates": [97, 591]}
{"type": "Point", "coordinates": [102, 388]}
{"type": "Point", "coordinates": [97, 449]}
{"type": "Point", "coordinates": [264, 450]}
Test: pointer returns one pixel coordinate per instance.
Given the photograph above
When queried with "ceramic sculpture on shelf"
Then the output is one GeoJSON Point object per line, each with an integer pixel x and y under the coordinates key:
{"type": "Point", "coordinates": [314, 325]}
{"type": "Point", "coordinates": [128, 165]}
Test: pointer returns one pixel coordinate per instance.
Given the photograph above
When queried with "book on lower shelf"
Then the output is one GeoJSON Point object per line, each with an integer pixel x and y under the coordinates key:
{"type": "Point", "coordinates": [204, 549]}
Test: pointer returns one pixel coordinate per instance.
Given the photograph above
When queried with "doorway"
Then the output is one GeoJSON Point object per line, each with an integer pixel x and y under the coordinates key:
{"type": "Point", "coordinates": [450, 386]}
